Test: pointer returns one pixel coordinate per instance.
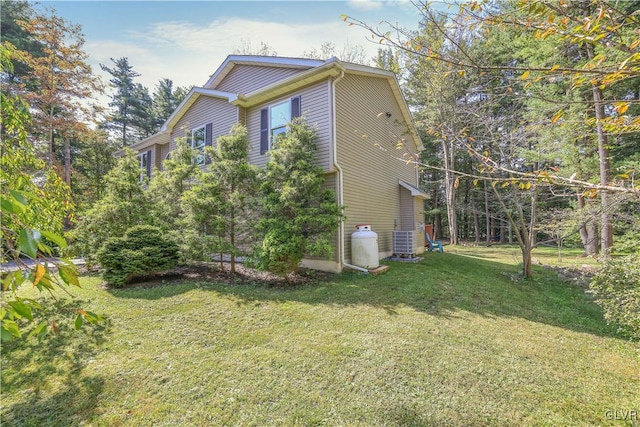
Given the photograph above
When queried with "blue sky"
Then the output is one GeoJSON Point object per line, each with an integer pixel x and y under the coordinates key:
{"type": "Point", "coordinates": [187, 41]}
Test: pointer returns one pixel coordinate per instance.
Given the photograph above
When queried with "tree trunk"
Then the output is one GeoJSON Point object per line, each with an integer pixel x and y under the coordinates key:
{"type": "Point", "coordinates": [52, 145]}
{"type": "Point", "coordinates": [437, 226]}
{"type": "Point", "coordinates": [606, 230]}
{"type": "Point", "coordinates": [486, 216]}
{"type": "Point", "coordinates": [450, 191]}
{"type": "Point", "coordinates": [67, 161]}
{"type": "Point", "coordinates": [588, 231]}
{"type": "Point", "coordinates": [476, 227]}
{"type": "Point", "coordinates": [232, 240]}
{"type": "Point", "coordinates": [527, 269]}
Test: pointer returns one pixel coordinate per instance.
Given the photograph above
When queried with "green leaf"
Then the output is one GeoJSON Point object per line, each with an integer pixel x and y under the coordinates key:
{"type": "Point", "coordinates": [69, 275]}
{"type": "Point", "coordinates": [28, 241]}
{"type": "Point", "coordinates": [10, 327]}
{"type": "Point", "coordinates": [18, 196]}
{"type": "Point", "coordinates": [92, 317]}
{"type": "Point", "coordinates": [21, 309]}
{"type": "Point", "coordinates": [12, 206]}
{"type": "Point", "coordinates": [79, 321]}
{"type": "Point", "coordinates": [5, 335]}
{"type": "Point", "coordinates": [55, 238]}
{"type": "Point", "coordinates": [13, 279]}
{"type": "Point", "coordinates": [40, 331]}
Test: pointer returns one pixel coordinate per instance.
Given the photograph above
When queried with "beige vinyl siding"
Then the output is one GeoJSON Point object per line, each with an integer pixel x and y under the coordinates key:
{"type": "Point", "coordinates": [315, 109]}
{"type": "Point", "coordinates": [330, 183]}
{"type": "Point", "coordinates": [407, 210]}
{"type": "Point", "coordinates": [164, 150]}
{"type": "Point", "coordinates": [156, 157]}
{"type": "Point", "coordinates": [419, 209]}
{"type": "Point", "coordinates": [366, 150]}
{"type": "Point", "coordinates": [205, 110]}
{"type": "Point", "coordinates": [245, 79]}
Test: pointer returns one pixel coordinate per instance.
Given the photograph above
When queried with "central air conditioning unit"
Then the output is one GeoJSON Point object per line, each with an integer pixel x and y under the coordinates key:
{"type": "Point", "coordinates": [405, 243]}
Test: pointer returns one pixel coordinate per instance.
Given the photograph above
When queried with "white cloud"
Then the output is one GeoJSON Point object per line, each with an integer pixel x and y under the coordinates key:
{"type": "Point", "coordinates": [366, 4]}
{"type": "Point", "coordinates": [188, 54]}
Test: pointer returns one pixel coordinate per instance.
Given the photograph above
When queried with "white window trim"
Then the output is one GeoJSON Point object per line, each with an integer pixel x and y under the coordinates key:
{"type": "Point", "coordinates": [142, 165]}
{"type": "Point", "coordinates": [204, 143]}
{"type": "Point", "coordinates": [271, 128]}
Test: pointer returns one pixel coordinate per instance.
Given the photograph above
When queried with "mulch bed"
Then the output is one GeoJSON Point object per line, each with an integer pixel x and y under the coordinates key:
{"type": "Point", "coordinates": [214, 272]}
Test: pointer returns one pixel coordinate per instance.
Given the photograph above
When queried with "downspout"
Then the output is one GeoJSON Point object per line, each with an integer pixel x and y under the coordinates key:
{"type": "Point", "coordinates": [340, 179]}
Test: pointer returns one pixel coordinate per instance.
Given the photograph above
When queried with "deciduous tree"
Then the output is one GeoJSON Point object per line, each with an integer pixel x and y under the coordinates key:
{"type": "Point", "coordinates": [57, 85]}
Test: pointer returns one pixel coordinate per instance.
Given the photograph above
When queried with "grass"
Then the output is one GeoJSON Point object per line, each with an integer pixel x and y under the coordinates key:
{"type": "Point", "coordinates": [452, 340]}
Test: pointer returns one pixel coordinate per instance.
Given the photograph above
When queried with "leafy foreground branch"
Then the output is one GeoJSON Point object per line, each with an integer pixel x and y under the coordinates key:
{"type": "Point", "coordinates": [32, 253]}
{"type": "Point", "coordinates": [35, 203]}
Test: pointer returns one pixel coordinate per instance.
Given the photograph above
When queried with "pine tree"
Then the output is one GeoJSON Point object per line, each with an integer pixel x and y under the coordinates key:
{"type": "Point", "coordinates": [298, 216]}
{"type": "Point", "coordinates": [236, 184]}
{"type": "Point", "coordinates": [124, 205]}
{"type": "Point", "coordinates": [166, 99]}
{"type": "Point", "coordinates": [130, 109]}
{"type": "Point", "coordinates": [167, 187]}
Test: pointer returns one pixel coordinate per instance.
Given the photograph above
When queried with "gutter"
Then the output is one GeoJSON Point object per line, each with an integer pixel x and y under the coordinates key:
{"type": "Point", "coordinates": [340, 174]}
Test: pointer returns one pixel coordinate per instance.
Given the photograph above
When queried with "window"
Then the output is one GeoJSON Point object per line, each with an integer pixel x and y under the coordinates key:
{"type": "Point", "coordinates": [274, 120]}
{"type": "Point", "coordinates": [279, 116]}
{"type": "Point", "coordinates": [197, 143]}
{"type": "Point", "coordinates": [145, 164]}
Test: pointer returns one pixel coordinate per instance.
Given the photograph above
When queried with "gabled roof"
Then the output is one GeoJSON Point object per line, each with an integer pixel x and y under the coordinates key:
{"type": "Point", "coordinates": [312, 71]}
{"type": "Point", "coordinates": [191, 97]}
{"type": "Point", "coordinates": [271, 61]}
{"type": "Point", "coordinates": [159, 138]}
{"type": "Point", "coordinates": [326, 69]}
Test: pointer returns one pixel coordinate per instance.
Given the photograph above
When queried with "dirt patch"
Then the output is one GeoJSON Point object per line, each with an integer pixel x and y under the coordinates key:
{"type": "Point", "coordinates": [214, 272]}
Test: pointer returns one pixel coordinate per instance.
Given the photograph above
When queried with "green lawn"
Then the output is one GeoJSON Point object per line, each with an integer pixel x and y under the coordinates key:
{"type": "Point", "coordinates": [453, 340]}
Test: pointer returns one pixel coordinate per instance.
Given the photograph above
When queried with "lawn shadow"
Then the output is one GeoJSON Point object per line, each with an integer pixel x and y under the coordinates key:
{"type": "Point", "coordinates": [61, 360]}
{"type": "Point", "coordinates": [441, 285]}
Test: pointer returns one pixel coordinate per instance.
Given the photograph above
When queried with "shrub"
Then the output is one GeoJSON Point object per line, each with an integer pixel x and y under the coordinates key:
{"type": "Point", "coordinates": [616, 288]}
{"type": "Point", "coordinates": [124, 205]}
{"type": "Point", "coordinates": [298, 215]}
{"type": "Point", "coordinates": [142, 250]}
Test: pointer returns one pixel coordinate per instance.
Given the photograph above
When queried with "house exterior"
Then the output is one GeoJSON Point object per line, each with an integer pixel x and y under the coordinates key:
{"type": "Point", "coordinates": [366, 136]}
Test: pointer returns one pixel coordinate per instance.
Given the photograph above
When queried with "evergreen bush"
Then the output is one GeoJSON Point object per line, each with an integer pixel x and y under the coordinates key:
{"type": "Point", "coordinates": [143, 250]}
{"type": "Point", "coordinates": [299, 217]}
{"type": "Point", "coordinates": [616, 288]}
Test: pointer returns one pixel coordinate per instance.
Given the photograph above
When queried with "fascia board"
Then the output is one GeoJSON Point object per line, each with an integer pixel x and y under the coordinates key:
{"type": "Point", "coordinates": [415, 191]}
{"type": "Point", "coordinates": [288, 85]}
{"type": "Point", "coordinates": [159, 138]}
{"type": "Point", "coordinates": [188, 101]}
{"type": "Point", "coordinates": [279, 61]}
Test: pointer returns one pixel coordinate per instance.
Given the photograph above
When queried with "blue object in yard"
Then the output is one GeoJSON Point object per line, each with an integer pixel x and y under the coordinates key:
{"type": "Point", "coordinates": [433, 244]}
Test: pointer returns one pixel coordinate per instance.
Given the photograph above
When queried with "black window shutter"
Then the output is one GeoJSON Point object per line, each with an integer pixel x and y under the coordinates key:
{"type": "Point", "coordinates": [208, 141]}
{"type": "Point", "coordinates": [149, 163]}
{"type": "Point", "coordinates": [208, 134]}
{"type": "Point", "coordinates": [296, 107]}
{"type": "Point", "coordinates": [264, 130]}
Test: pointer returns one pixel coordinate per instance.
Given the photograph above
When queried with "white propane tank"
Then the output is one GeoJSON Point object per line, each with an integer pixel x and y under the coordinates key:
{"type": "Point", "coordinates": [364, 247]}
